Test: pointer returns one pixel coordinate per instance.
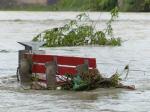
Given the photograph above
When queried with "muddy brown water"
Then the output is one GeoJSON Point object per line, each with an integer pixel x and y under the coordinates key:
{"type": "Point", "coordinates": [133, 28]}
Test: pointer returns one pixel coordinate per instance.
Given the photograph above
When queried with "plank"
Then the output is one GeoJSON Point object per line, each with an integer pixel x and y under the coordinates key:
{"type": "Point", "coordinates": [63, 60]}
{"type": "Point", "coordinates": [61, 69]}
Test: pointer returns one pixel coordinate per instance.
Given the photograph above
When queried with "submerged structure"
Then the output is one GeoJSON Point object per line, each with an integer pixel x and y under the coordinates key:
{"type": "Point", "coordinates": [67, 72]}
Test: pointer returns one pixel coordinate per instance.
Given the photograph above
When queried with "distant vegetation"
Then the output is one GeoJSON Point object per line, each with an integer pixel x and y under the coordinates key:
{"type": "Point", "coordinates": [91, 5]}
{"type": "Point", "coordinates": [97, 5]}
{"type": "Point", "coordinates": [73, 5]}
{"type": "Point", "coordinates": [82, 5]}
{"type": "Point", "coordinates": [136, 5]}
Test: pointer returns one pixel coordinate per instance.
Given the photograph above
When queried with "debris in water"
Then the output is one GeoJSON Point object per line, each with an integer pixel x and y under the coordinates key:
{"type": "Point", "coordinates": [86, 81]}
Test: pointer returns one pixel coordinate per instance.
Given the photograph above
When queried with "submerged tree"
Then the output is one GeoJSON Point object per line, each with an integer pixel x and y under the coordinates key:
{"type": "Point", "coordinates": [75, 34]}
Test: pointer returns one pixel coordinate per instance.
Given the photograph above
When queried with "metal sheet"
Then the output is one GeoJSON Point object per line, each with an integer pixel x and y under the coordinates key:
{"type": "Point", "coordinates": [34, 46]}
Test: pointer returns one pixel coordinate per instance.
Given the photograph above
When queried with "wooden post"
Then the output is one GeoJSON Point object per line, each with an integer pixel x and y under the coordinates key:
{"type": "Point", "coordinates": [24, 70]}
{"type": "Point", "coordinates": [51, 68]}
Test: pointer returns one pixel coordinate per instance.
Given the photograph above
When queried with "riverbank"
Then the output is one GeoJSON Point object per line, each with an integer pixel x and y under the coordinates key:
{"type": "Point", "coordinates": [76, 5]}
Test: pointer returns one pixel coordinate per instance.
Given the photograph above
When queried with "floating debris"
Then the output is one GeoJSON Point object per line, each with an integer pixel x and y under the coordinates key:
{"type": "Point", "coordinates": [86, 81]}
{"type": "Point", "coordinates": [6, 51]}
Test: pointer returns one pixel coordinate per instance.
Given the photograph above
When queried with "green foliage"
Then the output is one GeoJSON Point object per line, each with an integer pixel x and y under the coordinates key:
{"type": "Point", "coordinates": [35, 77]}
{"type": "Point", "coordinates": [74, 34]}
{"type": "Point", "coordinates": [130, 2]}
{"type": "Point", "coordinates": [146, 5]}
{"type": "Point", "coordinates": [92, 5]}
{"type": "Point", "coordinates": [73, 5]}
{"type": "Point", "coordinates": [90, 81]}
{"type": "Point", "coordinates": [137, 5]}
{"type": "Point", "coordinates": [87, 81]}
{"type": "Point", "coordinates": [81, 5]}
{"type": "Point", "coordinates": [38, 8]}
{"type": "Point", "coordinates": [106, 5]}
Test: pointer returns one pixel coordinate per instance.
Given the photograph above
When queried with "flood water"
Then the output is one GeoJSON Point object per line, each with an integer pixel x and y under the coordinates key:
{"type": "Point", "coordinates": [133, 28]}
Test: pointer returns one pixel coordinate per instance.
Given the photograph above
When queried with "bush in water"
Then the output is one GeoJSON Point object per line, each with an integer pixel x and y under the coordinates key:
{"type": "Point", "coordinates": [75, 34]}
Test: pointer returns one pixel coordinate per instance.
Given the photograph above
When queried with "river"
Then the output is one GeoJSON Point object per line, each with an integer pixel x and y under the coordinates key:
{"type": "Point", "coordinates": [133, 28]}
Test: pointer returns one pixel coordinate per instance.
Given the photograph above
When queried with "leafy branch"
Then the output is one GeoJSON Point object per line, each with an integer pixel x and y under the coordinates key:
{"type": "Point", "coordinates": [75, 34]}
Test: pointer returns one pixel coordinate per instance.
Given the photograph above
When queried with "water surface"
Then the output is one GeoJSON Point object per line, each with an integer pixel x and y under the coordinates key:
{"type": "Point", "coordinates": [133, 28]}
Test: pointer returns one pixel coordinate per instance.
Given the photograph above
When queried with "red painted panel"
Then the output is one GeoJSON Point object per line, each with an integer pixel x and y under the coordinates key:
{"type": "Point", "coordinates": [42, 79]}
{"type": "Point", "coordinates": [38, 69]}
{"type": "Point", "coordinates": [61, 69]}
{"type": "Point", "coordinates": [63, 60]}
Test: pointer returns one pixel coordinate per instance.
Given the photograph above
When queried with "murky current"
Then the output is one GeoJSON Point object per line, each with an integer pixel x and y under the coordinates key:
{"type": "Point", "coordinates": [133, 28]}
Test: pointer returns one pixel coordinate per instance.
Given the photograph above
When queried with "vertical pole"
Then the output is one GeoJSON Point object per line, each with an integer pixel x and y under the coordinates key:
{"type": "Point", "coordinates": [55, 59]}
